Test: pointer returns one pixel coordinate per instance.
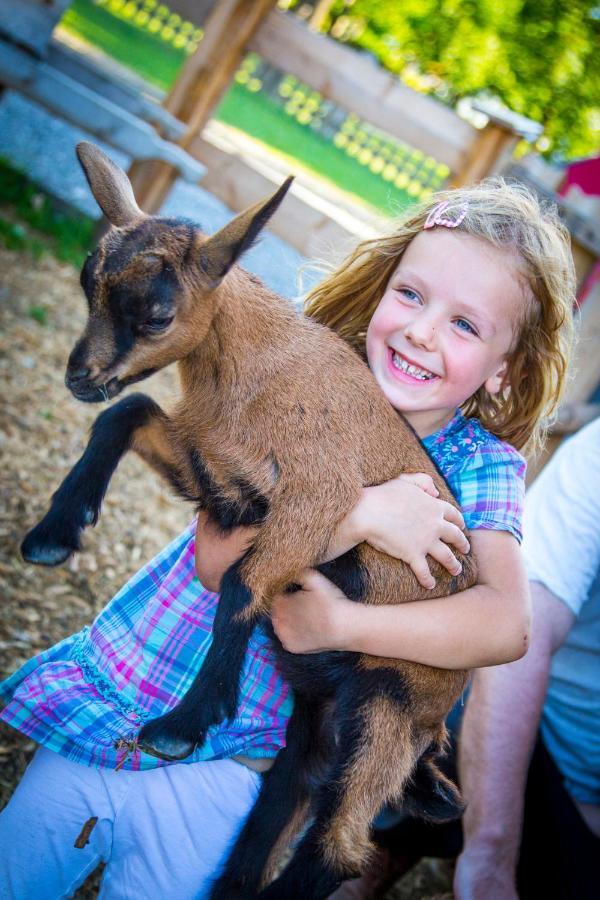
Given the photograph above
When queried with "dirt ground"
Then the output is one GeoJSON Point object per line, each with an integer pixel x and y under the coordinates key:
{"type": "Point", "coordinates": [42, 433]}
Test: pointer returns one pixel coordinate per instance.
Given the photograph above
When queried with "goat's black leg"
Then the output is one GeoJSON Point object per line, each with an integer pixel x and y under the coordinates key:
{"type": "Point", "coordinates": [376, 755]}
{"type": "Point", "coordinates": [280, 808]}
{"type": "Point", "coordinates": [213, 695]}
{"type": "Point", "coordinates": [77, 501]}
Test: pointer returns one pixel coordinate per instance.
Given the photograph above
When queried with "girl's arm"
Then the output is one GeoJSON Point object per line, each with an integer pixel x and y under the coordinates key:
{"type": "Point", "coordinates": [403, 518]}
{"type": "Point", "coordinates": [485, 625]}
{"type": "Point", "coordinates": [215, 552]}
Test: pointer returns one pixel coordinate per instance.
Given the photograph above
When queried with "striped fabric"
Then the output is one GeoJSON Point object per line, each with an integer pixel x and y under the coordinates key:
{"type": "Point", "coordinates": [87, 696]}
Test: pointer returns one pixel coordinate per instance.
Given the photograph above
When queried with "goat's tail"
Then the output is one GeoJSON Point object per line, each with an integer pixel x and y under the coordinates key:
{"type": "Point", "coordinates": [430, 794]}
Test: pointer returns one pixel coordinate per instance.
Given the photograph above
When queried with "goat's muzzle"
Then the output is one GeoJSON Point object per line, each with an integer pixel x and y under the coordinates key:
{"type": "Point", "coordinates": [88, 391]}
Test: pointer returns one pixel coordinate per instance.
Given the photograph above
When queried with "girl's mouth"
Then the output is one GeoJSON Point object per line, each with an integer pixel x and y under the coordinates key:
{"type": "Point", "coordinates": [411, 373]}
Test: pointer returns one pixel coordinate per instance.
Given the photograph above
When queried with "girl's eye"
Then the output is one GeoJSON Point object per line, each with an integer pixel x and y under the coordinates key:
{"type": "Point", "coordinates": [156, 325]}
{"type": "Point", "coordinates": [464, 325]}
{"type": "Point", "coordinates": [410, 295]}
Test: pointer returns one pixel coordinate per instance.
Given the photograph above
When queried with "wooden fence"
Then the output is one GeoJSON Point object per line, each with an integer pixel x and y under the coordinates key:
{"type": "Point", "coordinates": [444, 143]}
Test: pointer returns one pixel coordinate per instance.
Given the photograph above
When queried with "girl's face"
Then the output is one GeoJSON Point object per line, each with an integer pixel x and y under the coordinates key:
{"type": "Point", "coordinates": [444, 326]}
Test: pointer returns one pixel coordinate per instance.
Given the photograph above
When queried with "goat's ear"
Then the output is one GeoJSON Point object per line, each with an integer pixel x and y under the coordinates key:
{"type": "Point", "coordinates": [223, 249]}
{"type": "Point", "coordinates": [109, 184]}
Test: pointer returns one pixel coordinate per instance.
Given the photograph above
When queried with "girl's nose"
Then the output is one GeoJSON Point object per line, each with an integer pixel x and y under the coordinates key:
{"type": "Point", "coordinates": [422, 332]}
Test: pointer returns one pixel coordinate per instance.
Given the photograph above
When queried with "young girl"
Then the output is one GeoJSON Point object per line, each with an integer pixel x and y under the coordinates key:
{"type": "Point", "coordinates": [463, 315]}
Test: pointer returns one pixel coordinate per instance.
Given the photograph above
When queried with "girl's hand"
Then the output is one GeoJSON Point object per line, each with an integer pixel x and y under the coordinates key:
{"type": "Point", "coordinates": [312, 619]}
{"type": "Point", "coordinates": [405, 519]}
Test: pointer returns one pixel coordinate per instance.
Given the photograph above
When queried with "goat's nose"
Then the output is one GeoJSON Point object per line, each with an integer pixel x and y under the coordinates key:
{"type": "Point", "coordinates": [78, 374]}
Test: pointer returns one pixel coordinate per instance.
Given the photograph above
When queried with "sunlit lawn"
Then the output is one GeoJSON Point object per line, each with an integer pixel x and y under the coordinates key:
{"type": "Point", "coordinates": [254, 113]}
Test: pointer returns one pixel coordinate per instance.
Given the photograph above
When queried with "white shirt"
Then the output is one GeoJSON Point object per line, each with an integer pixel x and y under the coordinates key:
{"type": "Point", "coordinates": [561, 546]}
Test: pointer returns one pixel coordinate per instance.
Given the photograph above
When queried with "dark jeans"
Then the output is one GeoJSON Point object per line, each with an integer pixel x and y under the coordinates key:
{"type": "Point", "coordinates": [560, 857]}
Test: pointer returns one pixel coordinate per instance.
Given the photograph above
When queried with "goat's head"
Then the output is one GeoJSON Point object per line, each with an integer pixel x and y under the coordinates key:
{"type": "Point", "coordinates": [152, 285]}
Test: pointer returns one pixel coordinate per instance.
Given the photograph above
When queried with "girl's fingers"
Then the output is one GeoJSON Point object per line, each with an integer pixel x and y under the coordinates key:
{"type": "Point", "coordinates": [422, 573]}
{"type": "Point", "coordinates": [446, 558]}
{"type": "Point", "coordinates": [451, 534]}
{"type": "Point", "coordinates": [423, 481]}
{"type": "Point", "coordinates": [452, 514]}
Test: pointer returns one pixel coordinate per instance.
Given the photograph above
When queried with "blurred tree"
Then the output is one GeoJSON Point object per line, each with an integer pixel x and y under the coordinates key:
{"type": "Point", "coordinates": [540, 57]}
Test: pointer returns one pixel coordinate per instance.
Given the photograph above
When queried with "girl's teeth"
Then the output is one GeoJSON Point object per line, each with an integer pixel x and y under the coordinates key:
{"type": "Point", "coordinates": [401, 364]}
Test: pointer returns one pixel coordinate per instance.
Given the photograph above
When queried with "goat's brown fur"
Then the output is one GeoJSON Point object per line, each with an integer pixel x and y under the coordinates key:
{"type": "Point", "coordinates": [279, 405]}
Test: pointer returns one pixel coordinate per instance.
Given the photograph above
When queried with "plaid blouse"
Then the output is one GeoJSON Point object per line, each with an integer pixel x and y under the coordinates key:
{"type": "Point", "coordinates": [87, 696]}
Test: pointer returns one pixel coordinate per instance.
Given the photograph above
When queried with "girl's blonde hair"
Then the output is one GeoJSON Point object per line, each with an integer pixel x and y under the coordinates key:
{"type": "Point", "coordinates": [511, 218]}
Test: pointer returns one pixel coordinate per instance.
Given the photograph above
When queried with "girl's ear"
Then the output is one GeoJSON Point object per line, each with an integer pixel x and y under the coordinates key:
{"type": "Point", "coordinates": [495, 382]}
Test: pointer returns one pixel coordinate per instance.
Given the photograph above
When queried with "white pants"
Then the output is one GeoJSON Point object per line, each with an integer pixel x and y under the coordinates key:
{"type": "Point", "coordinates": [163, 833]}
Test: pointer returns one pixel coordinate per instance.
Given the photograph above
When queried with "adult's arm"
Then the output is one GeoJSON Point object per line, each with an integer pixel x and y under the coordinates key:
{"type": "Point", "coordinates": [562, 552]}
{"type": "Point", "coordinates": [498, 733]}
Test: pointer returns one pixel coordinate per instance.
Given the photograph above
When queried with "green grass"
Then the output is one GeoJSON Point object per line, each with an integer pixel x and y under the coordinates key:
{"type": "Point", "coordinates": [264, 119]}
{"type": "Point", "coordinates": [67, 235]}
{"type": "Point", "coordinates": [254, 113]}
{"type": "Point", "coordinates": [149, 56]}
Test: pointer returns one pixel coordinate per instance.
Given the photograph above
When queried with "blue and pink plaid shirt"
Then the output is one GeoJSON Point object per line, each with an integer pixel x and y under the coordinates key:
{"type": "Point", "coordinates": [87, 696]}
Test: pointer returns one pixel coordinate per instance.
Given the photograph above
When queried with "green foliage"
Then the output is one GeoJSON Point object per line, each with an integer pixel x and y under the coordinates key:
{"type": "Point", "coordinates": [539, 56]}
{"type": "Point", "coordinates": [70, 234]}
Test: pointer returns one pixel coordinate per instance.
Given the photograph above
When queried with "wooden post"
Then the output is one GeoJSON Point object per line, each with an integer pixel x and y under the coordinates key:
{"type": "Point", "coordinates": [201, 84]}
{"type": "Point", "coordinates": [492, 145]}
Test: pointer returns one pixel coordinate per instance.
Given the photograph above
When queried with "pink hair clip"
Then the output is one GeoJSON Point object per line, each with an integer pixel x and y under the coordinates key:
{"type": "Point", "coordinates": [436, 216]}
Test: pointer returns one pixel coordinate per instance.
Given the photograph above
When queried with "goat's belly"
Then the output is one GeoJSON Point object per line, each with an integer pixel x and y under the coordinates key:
{"type": "Point", "coordinates": [434, 690]}
{"type": "Point", "coordinates": [430, 693]}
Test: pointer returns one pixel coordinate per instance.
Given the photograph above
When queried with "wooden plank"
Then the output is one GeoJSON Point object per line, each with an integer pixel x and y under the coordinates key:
{"type": "Point", "coordinates": [102, 80]}
{"type": "Point", "coordinates": [573, 416]}
{"type": "Point", "coordinates": [357, 83]}
{"type": "Point", "coordinates": [209, 71]}
{"type": "Point", "coordinates": [196, 11]}
{"type": "Point", "coordinates": [320, 13]}
{"type": "Point", "coordinates": [77, 104]}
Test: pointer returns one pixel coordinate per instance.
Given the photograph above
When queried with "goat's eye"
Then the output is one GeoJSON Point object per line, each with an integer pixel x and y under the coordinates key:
{"type": "Point", "coordinates": [155, 325]}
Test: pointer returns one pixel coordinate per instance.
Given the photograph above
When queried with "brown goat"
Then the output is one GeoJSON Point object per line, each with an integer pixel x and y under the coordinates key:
{"type": "Point", "coordinates": [279, 424]}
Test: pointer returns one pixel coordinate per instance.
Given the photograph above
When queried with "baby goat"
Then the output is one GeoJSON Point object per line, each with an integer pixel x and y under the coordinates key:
{"type": "Point", "coordinates": [281, 425]}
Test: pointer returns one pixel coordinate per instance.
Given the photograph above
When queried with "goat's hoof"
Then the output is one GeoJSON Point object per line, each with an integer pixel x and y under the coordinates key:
{"type": "Point", "coordinates": [42, 551]}
{"type": "Point", "coordinates": [158, 742]}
